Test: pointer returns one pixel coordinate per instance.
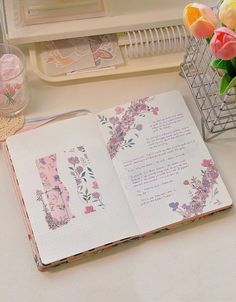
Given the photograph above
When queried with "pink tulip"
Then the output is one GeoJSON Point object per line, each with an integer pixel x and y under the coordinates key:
{"type": "Point", "coordinates": [200, 20]}
{"type": "Point", "coordinates": [223, 44]}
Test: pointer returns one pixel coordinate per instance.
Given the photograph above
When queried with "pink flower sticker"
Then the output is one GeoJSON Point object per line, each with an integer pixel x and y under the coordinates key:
{"type": "Point", "coordinates": [114, 120]}
{"type": "Point", "coordinates": [95, 185]}
{"type": "Point", "coordinates": [88, 209]}
{"type": "Point", "coordinates": [119, 110]}
{"type": "Point", "coordinates": [155, 110]}
{"type": "Point", "coordinates": [207, 163]}
{"type": "Point", "coordinates": [143, 107]}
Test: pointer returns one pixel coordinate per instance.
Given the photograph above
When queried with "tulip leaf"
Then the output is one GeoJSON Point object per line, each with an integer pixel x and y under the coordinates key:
{"type": "Point", "coordinates": [234, 63]}
{"type": "Point", "coordinates": [226, 83]}
{"type": "Point", "coordinates": [219, 64]}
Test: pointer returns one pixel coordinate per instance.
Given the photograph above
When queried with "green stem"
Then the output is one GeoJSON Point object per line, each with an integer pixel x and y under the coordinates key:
{"type": "Point", "coordinates": [10, 99]}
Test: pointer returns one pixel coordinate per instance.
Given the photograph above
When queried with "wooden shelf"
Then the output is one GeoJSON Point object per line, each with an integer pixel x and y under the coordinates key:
{"type": "Point", "coordinates": [121, 16]}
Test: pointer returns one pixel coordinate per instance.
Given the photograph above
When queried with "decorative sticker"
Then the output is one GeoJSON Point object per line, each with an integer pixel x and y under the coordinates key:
{"type": "Point", "coordinates": [65, 56]}
{"type": "Point", "coordinates": [54, 196]}
{"type": "Point", "coordinates": [202, 191]}
{"type": "Point", "coordinates": [105, 50]}
{"type": "Point", "coordinates": [122, 127]}
{"type": "Point", "coordinates": [86, 184]}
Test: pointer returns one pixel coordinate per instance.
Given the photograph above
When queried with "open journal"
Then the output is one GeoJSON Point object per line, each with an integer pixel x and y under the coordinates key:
{"type": "Point", "coordinates": [92, 181]}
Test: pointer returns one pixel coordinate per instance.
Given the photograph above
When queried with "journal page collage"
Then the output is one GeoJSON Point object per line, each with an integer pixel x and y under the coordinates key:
{"type": "Point", "coordinates": [163, 164]}
{"type": "Point", "coordinates": [70, 189]}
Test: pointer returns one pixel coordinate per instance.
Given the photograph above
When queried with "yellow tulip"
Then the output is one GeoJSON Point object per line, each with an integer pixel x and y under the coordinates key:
{"type": "Point", "coordinates": [227, 13]}
{"type": "Point", "coordinates": [200, 20]}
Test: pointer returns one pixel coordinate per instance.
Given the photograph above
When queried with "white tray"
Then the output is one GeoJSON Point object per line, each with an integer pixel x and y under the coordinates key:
{"type": "Point", "coordinates": [167, 61]}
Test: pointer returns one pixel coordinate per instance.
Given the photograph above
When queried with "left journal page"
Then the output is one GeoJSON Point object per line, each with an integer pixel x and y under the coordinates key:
{"type": "Point", "coordinates": [71, 193]}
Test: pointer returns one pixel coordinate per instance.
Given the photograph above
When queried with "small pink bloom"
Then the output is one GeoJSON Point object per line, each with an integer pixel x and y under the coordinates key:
{"type": "Point", "coordinates": [186, 182]}
{"type": "Point", "coordinates": [207, 163]}
{"type": "Point", "coordinates": [114, 120]}
{"type": "Point", "coordinates": [95, 185]}
{"type": "Point", "coordinates": [223, 43]}
{"type": "Point", "coordinates": [119, 110]}
{"type": "Point", "coordinates": [88, 209]}
{"type": "Point", "coordinates": [155, 110]}
{"type": "Point", "coordinates": [79, 169]}
{"type": "Point", "coordinates": [143, 107]}
{"type": "Point", "coordinates": [119, 131]}
{"type": "Point", "coordinates": [214, 174]}
{"type": "Point", "coordinates": [10, 89]}
{"type": "Point", "coordinates": [73, 160]}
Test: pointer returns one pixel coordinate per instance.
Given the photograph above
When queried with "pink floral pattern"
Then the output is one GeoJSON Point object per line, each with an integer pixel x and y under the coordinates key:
{"type": "Point", "coordinates": [54, 196]}
{"type": "Point", "coordinates": [200, 191]}
{"type": "Point", "coordinates": [9, 91]}
{"type": "Point", "coordinates": [123, 123]}
{"type": "Point", "coordinates": [86, 183]}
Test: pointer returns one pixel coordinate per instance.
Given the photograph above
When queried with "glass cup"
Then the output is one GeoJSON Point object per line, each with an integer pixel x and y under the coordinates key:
{"type": "Point", "coordinates": [14, 94]}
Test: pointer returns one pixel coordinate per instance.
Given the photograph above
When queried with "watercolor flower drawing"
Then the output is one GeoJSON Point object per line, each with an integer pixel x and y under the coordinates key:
{"type": "Point", "coordinates": [9, 91]}
{"type": "Point", "coordinates": [86, 183]}
{"type": "Point", "coordinates": [202, 191]}
{"type": "Point", "coordinates": [122, 126]}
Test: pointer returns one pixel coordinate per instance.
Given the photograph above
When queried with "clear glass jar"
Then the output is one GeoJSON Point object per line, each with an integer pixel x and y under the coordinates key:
{"type": "Point", "coordinates": [14, 94]}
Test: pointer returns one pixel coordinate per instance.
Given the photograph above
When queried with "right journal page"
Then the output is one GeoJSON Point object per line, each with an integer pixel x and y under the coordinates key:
{"type": "Point", "coordinates": [164, 167]}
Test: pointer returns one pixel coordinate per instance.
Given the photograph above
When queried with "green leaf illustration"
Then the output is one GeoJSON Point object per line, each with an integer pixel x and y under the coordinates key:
{"type": "Point", "coordinates": [226, 83]}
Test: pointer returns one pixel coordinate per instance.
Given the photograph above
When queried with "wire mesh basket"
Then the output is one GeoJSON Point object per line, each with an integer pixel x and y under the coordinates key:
{"type": "Point", "coordinates": [218, 113]}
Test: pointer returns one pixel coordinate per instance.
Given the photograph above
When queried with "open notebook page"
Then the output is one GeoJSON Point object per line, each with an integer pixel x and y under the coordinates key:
{"type": "Point", "coordinates": [164, 166]}
{"type": "Point", "coordinates": [70, 189]}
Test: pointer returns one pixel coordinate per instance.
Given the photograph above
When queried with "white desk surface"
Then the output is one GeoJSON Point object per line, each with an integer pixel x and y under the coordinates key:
{"type": "Point", "coordinates": [196, 262]}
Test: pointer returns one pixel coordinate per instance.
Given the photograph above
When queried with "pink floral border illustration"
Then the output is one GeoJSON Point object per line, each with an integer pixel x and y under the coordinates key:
{"type": "Point", "coordinates": [86, 183]}
{"type": "Point", "coordinates": [200, 190]}
{"type": "Point", "coordinates": [123, 122]}
{"type": "Point", "coordinates": [54, 196]}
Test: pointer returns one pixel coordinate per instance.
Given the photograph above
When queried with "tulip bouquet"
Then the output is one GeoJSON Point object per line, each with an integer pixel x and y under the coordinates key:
{"type": "Point", "coordinates": [219, 32]}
